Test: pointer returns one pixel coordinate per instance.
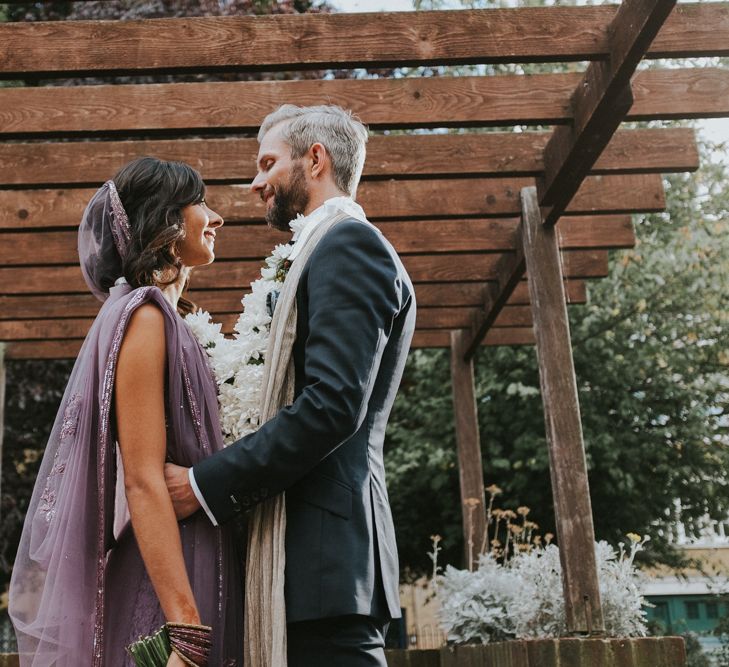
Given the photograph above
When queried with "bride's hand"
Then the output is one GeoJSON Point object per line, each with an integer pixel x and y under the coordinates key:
{"type": "Point", "coordinates": [175, 660]}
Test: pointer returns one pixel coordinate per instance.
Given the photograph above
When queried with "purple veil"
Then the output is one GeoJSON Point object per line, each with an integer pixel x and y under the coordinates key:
{"type": "Point", "coordinates": [79, 591]}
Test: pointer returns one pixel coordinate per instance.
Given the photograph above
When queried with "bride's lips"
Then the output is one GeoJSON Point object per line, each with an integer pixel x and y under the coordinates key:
{"type": "Point", "coordinates": [210, 235]}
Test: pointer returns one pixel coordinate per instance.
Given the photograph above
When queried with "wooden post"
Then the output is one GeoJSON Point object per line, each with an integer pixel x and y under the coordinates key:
{"type": "Point", "coordinates": [2, 405]}
{"type": "Point", "coordinates": [470, 468]}
{"type": "Point", "coordinates": [568, 468]}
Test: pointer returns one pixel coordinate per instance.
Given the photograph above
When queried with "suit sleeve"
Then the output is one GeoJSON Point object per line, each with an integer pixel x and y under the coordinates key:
{"type": "Point", "coordinates": [354, 292]}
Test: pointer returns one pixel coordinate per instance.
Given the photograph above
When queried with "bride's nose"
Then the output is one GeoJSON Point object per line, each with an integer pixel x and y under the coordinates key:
{"type": "Point", "coordinates": [214, 220]}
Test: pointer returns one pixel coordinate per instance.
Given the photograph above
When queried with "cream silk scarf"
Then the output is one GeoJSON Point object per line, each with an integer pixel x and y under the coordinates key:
{"type": "Point", "coordinates": [265, 618]}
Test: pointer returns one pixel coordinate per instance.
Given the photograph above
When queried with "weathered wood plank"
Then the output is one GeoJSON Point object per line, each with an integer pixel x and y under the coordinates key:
{"type": "Point", "coordinates": [391, 199]}
{"type": "Point", "coordinates": [470, 465]}
{"type": "Point", "coordinates": [568, 468]}
{"type": "Point", "coordinates": [432, 236]}
{"type": "Point", "coordinates": [68, 349]}
{"type": "Point", "coordinates": [233, 159]}
{"type": "Point", "coordinates": [66, 326]}
{"type": "Point", "coordinates": [47, 349]}
{"type": "Point", "coordinates": [315, 41]}
{"type": "Point", "coordinates": [441, 337]}
{"type": "Point", "coordinates": [599, 104]}
{"type": "Point", "coordinates": [462, 318]}
{"type": "Point", "coordinates": [508, 272]}
{"type": "Point", "coordinates": [429, 295]}
{"type": "Point", "coordinates": [381, 103]}
{"type": "Point", "coordinates": [239, 274]}
{"type": "Point", "coordinates": [472, 294]}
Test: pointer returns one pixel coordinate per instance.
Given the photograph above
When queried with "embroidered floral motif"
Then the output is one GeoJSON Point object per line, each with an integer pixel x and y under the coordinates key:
{"type": "Point", "coordinates": [70, 417]}
{"type": "Point", "coordinates": [47, 505]}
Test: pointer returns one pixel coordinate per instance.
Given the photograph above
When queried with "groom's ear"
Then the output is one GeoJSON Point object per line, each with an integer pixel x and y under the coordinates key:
{"type": "Point", "coordinates": [319, 158]}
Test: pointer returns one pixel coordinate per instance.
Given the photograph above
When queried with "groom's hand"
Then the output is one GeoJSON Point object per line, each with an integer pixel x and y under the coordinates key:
{"type": "Point", "coordinates": [178, 485]}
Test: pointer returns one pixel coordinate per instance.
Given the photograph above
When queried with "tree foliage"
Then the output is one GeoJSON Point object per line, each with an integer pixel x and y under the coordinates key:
{"type": "Point", "coordinates": [651, 350]}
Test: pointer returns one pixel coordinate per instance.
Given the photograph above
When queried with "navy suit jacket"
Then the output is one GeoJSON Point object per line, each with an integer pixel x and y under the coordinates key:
{"type": "Point", "coordinates": [355, 321]}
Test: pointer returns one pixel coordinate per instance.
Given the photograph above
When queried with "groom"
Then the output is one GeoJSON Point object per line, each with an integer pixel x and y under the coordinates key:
{"type": "Point", "coordinates": [355, 319]}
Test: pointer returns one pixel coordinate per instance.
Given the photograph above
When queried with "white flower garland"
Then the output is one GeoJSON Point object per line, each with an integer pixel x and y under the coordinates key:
{"type": "Point", "coordinates": [237, 363]}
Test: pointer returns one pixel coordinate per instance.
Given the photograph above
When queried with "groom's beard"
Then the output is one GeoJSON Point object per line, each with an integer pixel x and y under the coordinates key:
{"type": "Point", "coordinates": [289, 200]}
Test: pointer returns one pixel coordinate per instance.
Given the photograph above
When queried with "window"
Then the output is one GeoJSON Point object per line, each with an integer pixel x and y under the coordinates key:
{"type": "Point", "coordinates": [712, 610]}
{"type": "Point", "coordinates": [692, 610]}
{"type": "Point", "coordinates": [661, 610]}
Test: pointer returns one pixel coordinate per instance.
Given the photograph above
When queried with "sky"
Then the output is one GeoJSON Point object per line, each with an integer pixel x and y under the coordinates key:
{"type": "Point", "coordinates": [715, 130]}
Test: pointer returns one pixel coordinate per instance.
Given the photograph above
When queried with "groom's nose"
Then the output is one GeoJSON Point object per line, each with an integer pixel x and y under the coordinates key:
{"type": "Point", "coordinates": [259, 182]}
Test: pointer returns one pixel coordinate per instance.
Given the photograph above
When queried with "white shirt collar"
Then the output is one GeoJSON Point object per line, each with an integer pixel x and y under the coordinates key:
{"type": "Point", "coordinates": [303, 226]}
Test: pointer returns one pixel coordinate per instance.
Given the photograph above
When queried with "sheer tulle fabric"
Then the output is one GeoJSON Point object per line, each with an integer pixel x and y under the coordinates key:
{"type": "Point", "coordinates": [79, 591]}
{"type": "Point", "coordinates": [103, 238]}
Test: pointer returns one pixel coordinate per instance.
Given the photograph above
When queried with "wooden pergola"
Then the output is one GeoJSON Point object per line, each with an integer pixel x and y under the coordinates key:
{"type": "Point", "coordinates": [470, 212]}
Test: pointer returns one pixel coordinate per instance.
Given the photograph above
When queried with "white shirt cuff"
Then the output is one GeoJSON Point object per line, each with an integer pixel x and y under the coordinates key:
{"type": "Point", "coordinates": [200, 498]}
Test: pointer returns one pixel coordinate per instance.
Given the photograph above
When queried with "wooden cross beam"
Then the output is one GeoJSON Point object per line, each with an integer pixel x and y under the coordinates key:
{"type": "Point", "coordinates": [184, 108]}
{"type": "Point", "coordinates": [31, 248]}
{"type": "Point", "coordinates": [599, 104]}
{"type": "Point", "coordinates": [233, 159]}
{"type": "Point", "coordinates": [414, 199]}
{"type": "Point", "coordinates": [428, 295]}
{"type": "Point", "coordinates": [568, 158]}
{"type": "Point", "coordinates": [442, 338]}
{"type": "Point", "coordinates": [432, 268]}
{"type": "Point", "coordinates": [308, 41]}
{"type": "Point", "coordinates": [68, 327]}
{"type": "Point", "coordinates": [68, 349]}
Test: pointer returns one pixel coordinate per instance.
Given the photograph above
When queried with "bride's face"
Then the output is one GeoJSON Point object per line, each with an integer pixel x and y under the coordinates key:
{"type": "Point", "coordinates": [201, 224]}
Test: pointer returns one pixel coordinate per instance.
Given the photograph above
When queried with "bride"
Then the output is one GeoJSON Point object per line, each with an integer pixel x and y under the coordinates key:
{"type": "Point", "coordinates": [102, 560]}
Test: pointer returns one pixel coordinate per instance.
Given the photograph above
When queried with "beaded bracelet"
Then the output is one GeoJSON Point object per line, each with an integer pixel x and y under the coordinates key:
{"type": "Point", "coordinates": [192, 643]}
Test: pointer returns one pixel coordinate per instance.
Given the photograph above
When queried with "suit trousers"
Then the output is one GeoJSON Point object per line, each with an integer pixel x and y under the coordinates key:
{"type": "Point", "coordinates": [342, 641]}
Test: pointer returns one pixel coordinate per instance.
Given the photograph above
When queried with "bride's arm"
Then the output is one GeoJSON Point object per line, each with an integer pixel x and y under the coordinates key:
{"type": "Point", "coordinates": [140, 418]}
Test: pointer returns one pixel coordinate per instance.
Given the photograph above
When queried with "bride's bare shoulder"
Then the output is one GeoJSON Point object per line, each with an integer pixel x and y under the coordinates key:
{"type": "Point", "coordinates": [145, 334]}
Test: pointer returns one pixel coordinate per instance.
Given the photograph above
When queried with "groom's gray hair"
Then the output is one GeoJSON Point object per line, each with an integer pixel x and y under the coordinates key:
{"type": "Point", "coordinates": [339, 131]}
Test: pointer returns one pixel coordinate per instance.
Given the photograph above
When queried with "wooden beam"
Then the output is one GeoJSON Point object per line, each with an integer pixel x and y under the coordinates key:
{"type": "Point", "coordinates": [58, 306]}
{"type": "Point", "coordinates": [68, 349]}
{"type": "Point", "coordinates": [432, 236]}
{"type": "Point", "coordinates": [63, 328]}
{"type": "Point", "coordinates": [429, 295]}
{"type": "Point", "coordinates": [502, 154]}
{"type": "Point", "coordinates": [599, 104]}
{"type": "Point", "coordinates": [568, 468]}
{"type": "Point", "coordinates": [46, 349]}
{"type": "Point", "coordinates": [303, 41]}
{"type": "Point", "coordinates": [181, 108]}
{"type": "Point", "coordinates": [391, 199]}
{"type": "Point", "coordinates": [239, 274]}
{"type": "Point", "coordinates": [461, 318]}
{"type": "Point", "coordinates": [441, 338]}
{"type": "Point", "coordinates": [470, 466]}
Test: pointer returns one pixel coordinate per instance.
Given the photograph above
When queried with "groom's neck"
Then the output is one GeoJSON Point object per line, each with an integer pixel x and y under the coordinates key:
{"type": "Point", "coordinates": [320, 195]}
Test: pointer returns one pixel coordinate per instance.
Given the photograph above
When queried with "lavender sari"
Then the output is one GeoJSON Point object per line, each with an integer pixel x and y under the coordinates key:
{"type": "Point", "coordinates": [79, 591]}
